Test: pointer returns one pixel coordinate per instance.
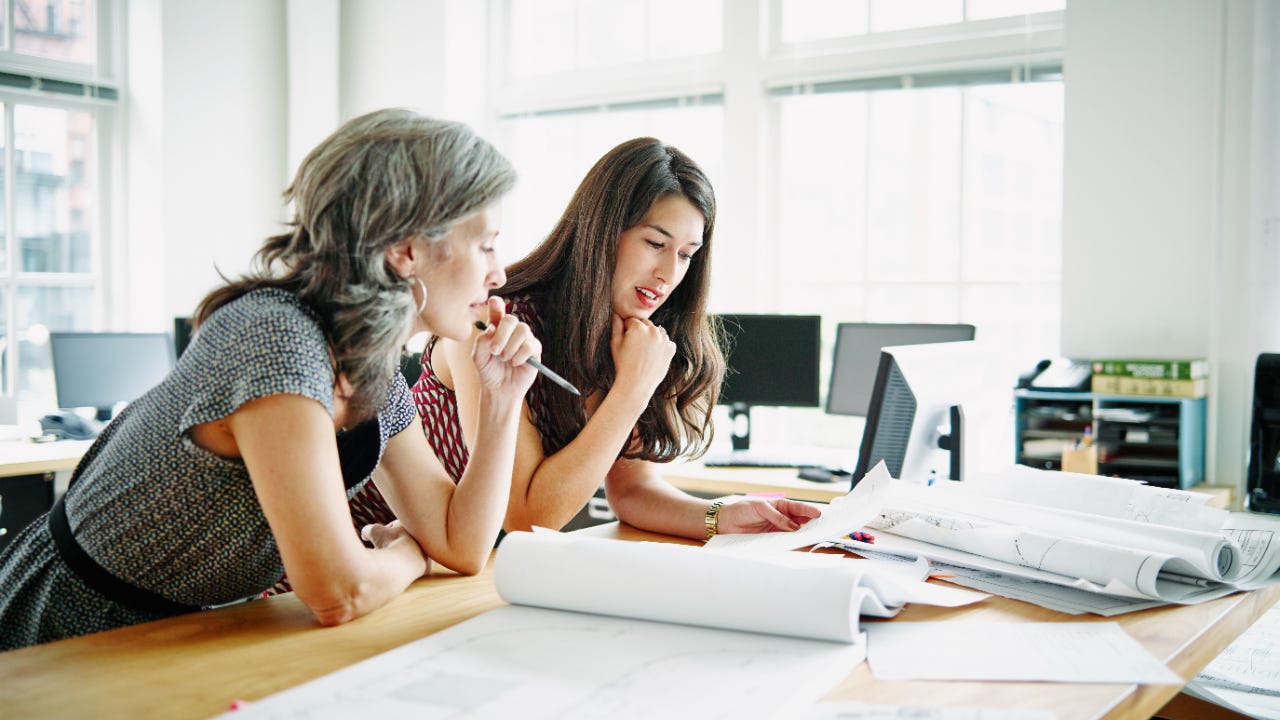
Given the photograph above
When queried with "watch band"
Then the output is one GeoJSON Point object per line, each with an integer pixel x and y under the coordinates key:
{"type": "Point", "coordinates": [713, 518]}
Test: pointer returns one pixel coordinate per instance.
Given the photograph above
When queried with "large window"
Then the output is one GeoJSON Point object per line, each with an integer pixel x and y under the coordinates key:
{"type": "Point", "coordinates": [554, 152]}
{"type": "Point", "coordinates": [54, 106]}
{"type": "Point", "coordinates": [938, 204]}
{"type": "Point", "coordinates": [875, 160]}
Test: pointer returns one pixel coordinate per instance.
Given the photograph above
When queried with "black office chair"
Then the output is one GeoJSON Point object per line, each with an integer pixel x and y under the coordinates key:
{"type": "Point", "coordinates": [411, 367]}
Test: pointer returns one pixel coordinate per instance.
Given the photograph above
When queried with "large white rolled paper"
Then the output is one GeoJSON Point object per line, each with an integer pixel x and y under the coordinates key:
{"type": "Point", "coordinates": [681, 584]}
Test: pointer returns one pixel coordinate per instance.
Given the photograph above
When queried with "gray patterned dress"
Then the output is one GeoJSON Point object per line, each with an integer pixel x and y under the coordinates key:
{"type": "Point", "coordinates": [162, 514]}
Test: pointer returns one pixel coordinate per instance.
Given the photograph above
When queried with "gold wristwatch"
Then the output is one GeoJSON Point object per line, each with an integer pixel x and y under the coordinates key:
{"type": "Point", "coordinates": [713, 518]}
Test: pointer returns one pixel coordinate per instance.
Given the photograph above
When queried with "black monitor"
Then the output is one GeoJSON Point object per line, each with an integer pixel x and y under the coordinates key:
{"type": "Point", "coordinates": [916, 418]}
{"type": "Point", "coordinates": [99, 370]}
{"type": "Point", "coordinates": [773, 360]}
{"type": "Point", "coordinates": [857, 356]}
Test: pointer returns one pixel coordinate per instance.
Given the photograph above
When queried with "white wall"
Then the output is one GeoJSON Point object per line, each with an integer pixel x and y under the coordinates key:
{"type": "Point", "coordinates": [1164, 249]}
{"type": "Point", "coordinates": [1264, 260]}
{"type": "Point", "coordinates": [224, 100]}
{"type": "Point", "coordinates": [392, 55]}
{"type": "Point", "coordinates": [1139, 176]}
{"type": "Point", "coordinates": [312, 64]}
{"type": "Point", "coordinates": [207, 138]}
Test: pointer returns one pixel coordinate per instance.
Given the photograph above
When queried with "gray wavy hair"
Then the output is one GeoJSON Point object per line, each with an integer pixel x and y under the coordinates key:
{"type": "Point", "coordinates": [379, 179]}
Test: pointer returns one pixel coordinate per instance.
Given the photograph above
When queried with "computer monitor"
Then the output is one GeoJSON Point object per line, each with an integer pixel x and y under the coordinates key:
{"type": "Point", "coordinates": [99, 370]}
{"type": "Point", "coordinates": [857, 356]}
{"type": "Point", "coordinates": [927, 403]}
{"type": "Point", "coordinates": [773, 360]}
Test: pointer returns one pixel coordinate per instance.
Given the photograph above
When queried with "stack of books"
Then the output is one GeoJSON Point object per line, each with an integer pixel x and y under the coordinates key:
{"type": "Point", "coordinates": [1158, 378]}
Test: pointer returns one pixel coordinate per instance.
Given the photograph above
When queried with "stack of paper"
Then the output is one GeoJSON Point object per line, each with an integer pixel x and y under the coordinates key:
{"type": "Point", "coordinates": [1246, 676]}
{"type": "Point", "coordinates": [1080, 543]}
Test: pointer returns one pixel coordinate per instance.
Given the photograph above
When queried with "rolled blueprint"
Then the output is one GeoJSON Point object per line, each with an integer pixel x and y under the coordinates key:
{"type": "Point", "coordinates": [681, 584]}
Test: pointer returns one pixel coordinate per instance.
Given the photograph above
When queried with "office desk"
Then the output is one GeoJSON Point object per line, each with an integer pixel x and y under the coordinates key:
{"type": "Point", "coordinates": [22, 457]}
{"type": "Point", "coordinates": [196, 665]}
{"type": "Point", "coordinates": [720, 481]}
{"type": "Point", "coordinates": [28, 482]}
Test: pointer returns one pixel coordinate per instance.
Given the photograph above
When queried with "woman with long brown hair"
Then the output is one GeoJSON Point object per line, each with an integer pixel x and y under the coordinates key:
{"type": "Point", "coordinates": [617, 293]}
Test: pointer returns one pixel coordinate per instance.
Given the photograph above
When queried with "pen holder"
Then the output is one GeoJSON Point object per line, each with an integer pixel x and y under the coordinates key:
{"type": "Point", "coordinates": [1082, 459]}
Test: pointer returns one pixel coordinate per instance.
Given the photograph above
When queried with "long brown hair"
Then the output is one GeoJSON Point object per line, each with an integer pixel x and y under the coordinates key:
{"type": "Point", "coordinates": [570, 275]}
{"type": "Point", "coordinates": [377, 180]}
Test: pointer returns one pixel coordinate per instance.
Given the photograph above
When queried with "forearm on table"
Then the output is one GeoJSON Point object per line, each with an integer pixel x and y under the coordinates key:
{"type": "Point", "coordinates": [563, 482]}
{"type": "Point", "coordinates": [479, 502]}
{"type": "Point", "coordinates": [640, 497]}
{"type": "Point", "coordinates": [348, 590]}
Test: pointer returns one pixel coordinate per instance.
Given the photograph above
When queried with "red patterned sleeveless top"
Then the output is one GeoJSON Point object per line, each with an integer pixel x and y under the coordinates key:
{"type": "Point", "coordinates": [438, 408]}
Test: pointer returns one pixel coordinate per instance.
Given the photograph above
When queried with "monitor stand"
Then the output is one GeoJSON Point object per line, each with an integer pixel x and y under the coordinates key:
{"type": "Point", "coordinates": [953, 441]}
{"type": "Point", "coordinates": [740, 424]}
{"type": "Point", "coordinates": [103, 414]}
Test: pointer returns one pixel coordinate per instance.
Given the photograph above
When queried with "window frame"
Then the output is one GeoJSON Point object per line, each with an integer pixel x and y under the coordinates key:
{"type": "Point", "coordinates": [752, 68]}
{"type": "Point", "coordinates": [77, 87]}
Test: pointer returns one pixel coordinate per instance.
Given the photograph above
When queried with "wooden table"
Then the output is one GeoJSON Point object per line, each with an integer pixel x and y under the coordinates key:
{"type": "Point", "coordinates": [23, 457]}
{"type": "Point", "coordinates": [720, 481]}
{"type": "Point", "coordinates": [196, 665]}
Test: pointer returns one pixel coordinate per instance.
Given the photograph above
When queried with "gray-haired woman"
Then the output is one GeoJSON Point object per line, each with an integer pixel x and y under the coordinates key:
{"type": "Point", "coordinates": [232, 470]}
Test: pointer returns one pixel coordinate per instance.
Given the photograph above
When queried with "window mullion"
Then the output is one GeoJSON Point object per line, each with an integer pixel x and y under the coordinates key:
{"type": "Point", "coordinates": [11, 249]}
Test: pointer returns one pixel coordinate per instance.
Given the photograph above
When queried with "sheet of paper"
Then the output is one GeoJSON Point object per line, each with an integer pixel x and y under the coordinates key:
{"type": "Point", "coordinates": [1099, 495]}
{"type": "Point", "coordinates": [860, 711]}
{"type": "Point", "coordinates": [1262, 707]}
{"type": "Point", "coordinates": [1035, 652]}
{"type": "Point", "coordinates": [532, 663]}
{"type": "Point", "coordinates": [844, 515]}
{"type": "Point", "coordinates": [1252, 662]}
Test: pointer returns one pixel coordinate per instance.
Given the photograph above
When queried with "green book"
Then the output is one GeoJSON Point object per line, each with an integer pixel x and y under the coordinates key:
{"type": "Point", "coordinates": [1149, 387]}
{"type": "Point", "coordinates": [1154, 369]}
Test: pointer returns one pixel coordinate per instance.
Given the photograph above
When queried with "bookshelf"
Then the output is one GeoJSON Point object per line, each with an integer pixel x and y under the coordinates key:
{"type": "Point", "coordinates": [1156, 439]}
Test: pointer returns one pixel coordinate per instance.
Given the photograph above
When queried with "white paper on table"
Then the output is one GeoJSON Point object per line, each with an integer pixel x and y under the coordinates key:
{"type": "Point", "coordinates": [1111, 555]}
{"type": "Point", "coordinates": [1099, 495]}
{"type": "Point", "coordinates": [1262, 707]}
{"type": "Point", "coordinates": [535, 664]}
{"type": "Point", "coordinates": [852, 710]}
{"type": "Point", "coordinates": [1205, 554]}
{"type": "Point", "coordinates": [1251, 663]}
{"type": "Point", "coordinates": [1061, 598]}
{"type": "Point", "coordinates": [1172, 592]}
{"type": "Point", "coordinates": [1034, 652]}
{"type": "Point", "coordinates": [818, 599]}
{"type": "Point", "coordinates": [844, 515]}
{"type": "Point", "coordinates": [896, 591]}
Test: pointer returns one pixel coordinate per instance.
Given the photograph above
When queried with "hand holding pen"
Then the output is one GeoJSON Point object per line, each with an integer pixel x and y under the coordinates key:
{"type": "Point", "coordinates": [536, 365]}
{"type": "Point", "coordinates": [500, 351]}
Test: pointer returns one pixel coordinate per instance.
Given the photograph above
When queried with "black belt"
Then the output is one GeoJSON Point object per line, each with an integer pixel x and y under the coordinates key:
{"type": "Point", "coordinates": [98, 578]}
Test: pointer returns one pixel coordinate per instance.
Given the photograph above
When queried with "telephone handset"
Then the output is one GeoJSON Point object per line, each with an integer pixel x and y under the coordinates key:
{"type": "Point", "coordinates": [1061, 374]}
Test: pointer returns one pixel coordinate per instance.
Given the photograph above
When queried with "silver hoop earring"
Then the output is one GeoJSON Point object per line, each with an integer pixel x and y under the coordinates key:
{"type": "Point", "coordinates": [422, 304]}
